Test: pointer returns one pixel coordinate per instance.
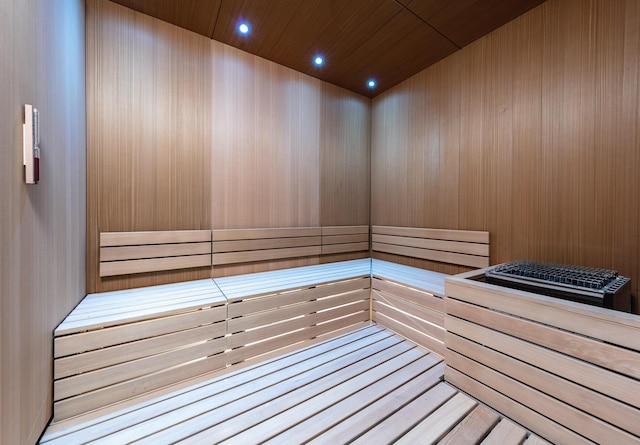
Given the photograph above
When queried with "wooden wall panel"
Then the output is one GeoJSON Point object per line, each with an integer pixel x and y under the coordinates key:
{"type": "Point", "coordinates": [265, 143]}
{"type": "Point", "coordinates": [149, 117]}
{"type": "Point", "coordinates": [187, 133]}
{"type": "Point", "coordinates": [42, 227]}
{"type": "Point", "coordinates": [539, 123]}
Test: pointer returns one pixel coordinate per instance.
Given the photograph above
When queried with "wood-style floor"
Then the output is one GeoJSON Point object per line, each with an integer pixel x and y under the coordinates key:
{"type": "Point", "coordinates": [367, 386]}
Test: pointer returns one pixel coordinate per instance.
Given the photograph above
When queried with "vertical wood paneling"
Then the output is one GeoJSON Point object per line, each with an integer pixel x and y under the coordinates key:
{"type": "Point", "coordinates": [149, 116]}
{"type": "Point", "coordinates": [546, 151]}
{"type": "Point", "coordinates": [265, 143]}
{"type": "Point", "coordinates": [344, 157]}
{"type": "Point", "coordinates": [188, 133]}
{"type": "Point", "coordinates": [42, 226]}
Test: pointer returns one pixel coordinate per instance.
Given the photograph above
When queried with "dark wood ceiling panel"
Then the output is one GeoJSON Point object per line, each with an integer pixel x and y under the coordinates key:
{"type": "Point", "coordinates": [389, 40]}
{"type": "Point", "coordinates": [464, 21]}
{"type": "Point", "coordinates": [401, 48]}
{"type": "Point", "coordinates": [291, 33]}
{"type": "Point", "coordinates": [198, 16]}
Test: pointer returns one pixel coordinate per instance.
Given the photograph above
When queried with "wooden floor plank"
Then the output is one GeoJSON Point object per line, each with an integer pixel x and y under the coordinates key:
{"type": "Point", "coordinates": [405, 418]}
{"type": "Point", "coordinates": [473, 428]}
{"type": "Point", "coordinates": [342, 400]}
{"type": "Point", "coordinates": [190, 420]}
{"type": "Point", "coordinates": [139, 413]}
{"type": "Point", "coordinates": [443, 420]}
{"type": "Point", "coordinates": [372, 406]}
{"type": "Point", "coordinates": [506, 433]}
{"type": "Point", "coordinates": [333, 385]}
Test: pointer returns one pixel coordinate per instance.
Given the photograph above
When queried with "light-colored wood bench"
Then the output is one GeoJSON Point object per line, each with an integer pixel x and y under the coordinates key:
{"type": "Point", "coordinates": [117, 345]}
{"type": "Point", "coordinates": [410, 300]}
{"type": "Point", "coordinates": [567, 371]}
{"type": "Point", "coordinates": [270, 310]}
{"type": "Point", "coordinates": [124, 253]}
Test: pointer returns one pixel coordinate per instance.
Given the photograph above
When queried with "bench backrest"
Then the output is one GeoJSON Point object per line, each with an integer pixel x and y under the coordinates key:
{"type": "Point", "coordinates": [459, 247]}
{"type": "Point", "coordinates": [137, 252]}
{"type": "Point", "coordinates": [124, 253]}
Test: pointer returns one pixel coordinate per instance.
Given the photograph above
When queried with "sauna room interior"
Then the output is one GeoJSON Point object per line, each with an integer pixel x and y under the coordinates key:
{"type": "Point", "coordinates": [517, 122]}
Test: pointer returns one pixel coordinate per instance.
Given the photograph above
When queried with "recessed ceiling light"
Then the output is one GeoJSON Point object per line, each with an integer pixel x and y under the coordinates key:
{"type": "Point", "coordinates": [371, 83]}
{"type": "Point", "coordinates": [319, 60]}
{"type": "Point", "coordinates": [243, 28]}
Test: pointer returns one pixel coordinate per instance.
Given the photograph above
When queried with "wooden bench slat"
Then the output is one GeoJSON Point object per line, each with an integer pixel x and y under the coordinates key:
{"type": "Point", "coordinates": [304, 307]}
{"type": "Point", "coordinates": [248, 234]}
{"type": "Point", "coordinates": [606, 355]}
{"type": "Point", "coordinates": [108, 269]}
{"type": "Point", "coordinates": [264, 244]}
{"type": "Point", "coordinates": [90, 361]}
{"type": "Point", "coordinates": [155, 237]}
{"type": "Point", "coordinates": [573, 419]}
{"type": "Point", "coordinates": [410, 307]}
{"type": "Point", "coordinates": [109, 376]}
{"type": "Point", "coordinates": [469, 236]}
{"type": "Point", "coordinates": [246, 337]}
{"type": "Point", "coordinates": [433, 255]}
{"type": "Point", "coordinates": [258, 304]}
{"type": "Point", "coordinates": [418, 337]}
{"type": "Point", "coordinates": [345, 239]}
{"type": "Point", "coordinates": [264, 255]}
{"type": "Point", "coordinates": [431, 244]}
{"type": "Point", "coordinates": [126, 333]}
{"type": "Point", "coordinates": [120, 253]}
{"type": "Point", "coordinates": [614, 385]}
{"type": "Point", "coordinates": [594, 403]}
{"type": "Point", "coordinates": [429, 300]}
{"type": "Point", "coordinates": [344, 230]}
{"type": "Point", "coordinates": [615, 327]}
{"type": "Point", "coordinates": [342, 248]}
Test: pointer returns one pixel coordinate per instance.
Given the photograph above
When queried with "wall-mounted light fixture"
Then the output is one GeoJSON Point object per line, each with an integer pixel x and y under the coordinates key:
{"type": "Point", "coordinates": [31, 145]}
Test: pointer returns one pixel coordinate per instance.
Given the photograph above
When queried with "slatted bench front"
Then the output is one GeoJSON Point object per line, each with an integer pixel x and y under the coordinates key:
{"type": "Point", "coordinates": [567, 371]}
{"type": "Point", "coordinates": [410, 300]}
{"type": "Point", "coordinates": [117, 345]}
{"type": "Point", "coordinates": [270, 310]}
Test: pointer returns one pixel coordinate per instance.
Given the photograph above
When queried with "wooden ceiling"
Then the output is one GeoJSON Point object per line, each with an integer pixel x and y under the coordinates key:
{"type": "Point", "coordinates": [387, 40]}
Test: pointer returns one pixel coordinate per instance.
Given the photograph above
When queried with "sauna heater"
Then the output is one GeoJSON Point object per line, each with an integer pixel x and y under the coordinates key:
{"type": "Point", "coordinates": [598, 287]}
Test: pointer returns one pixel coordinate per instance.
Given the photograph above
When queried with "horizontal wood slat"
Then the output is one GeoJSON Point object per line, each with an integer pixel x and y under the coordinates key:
{"type": "Point", "coordinates": [254, 234]}
{"type": "Point", "coordinates": [108, 269]}
{"type": "Point", "coordinates": [468, 236]}
{"type": "Point", "coordinates": [433, 255]}
{"type": "Point", "coordinates": [123, 253]}
{"type": "Point", "coordinates": [155, 237]}
{"type": "Point", "coordinates": [263, 244]}
{"type": "Point", "coordinates": [459, 247]}
{"type": "Point", "coordinates": [574, 365]}
{"type": "Point", "coordinates": [251, 256]}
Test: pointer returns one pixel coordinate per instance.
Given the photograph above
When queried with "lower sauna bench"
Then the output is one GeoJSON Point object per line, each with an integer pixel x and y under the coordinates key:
{"type": "Point", "coordinates": [122, 344]}
{"type": "Point", "coordinates": [365, 385]}
{"type": "Point", "coordinates": [410, 301]}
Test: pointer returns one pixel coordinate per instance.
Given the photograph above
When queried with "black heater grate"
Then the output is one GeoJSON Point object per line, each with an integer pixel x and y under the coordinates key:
{"type": "Point", "coordinates": [599, 287]}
